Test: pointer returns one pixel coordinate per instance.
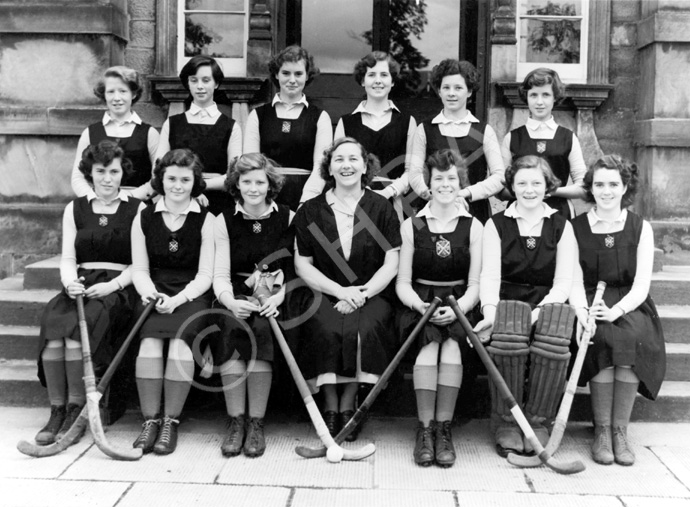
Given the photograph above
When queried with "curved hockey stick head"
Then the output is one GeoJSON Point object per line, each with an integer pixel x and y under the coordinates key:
{"type": "Point", "coordinates": [43, 451]}
{"type": "Point", "coordinates": [99, 437]}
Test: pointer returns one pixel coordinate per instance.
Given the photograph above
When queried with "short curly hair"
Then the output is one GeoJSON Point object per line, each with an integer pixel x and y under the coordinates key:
{"type": "Point", "coordinates": [371, 60]}
{"type": "Point", "coordinates": [532, 162]}
{"type": "Point", "coordinates": [293, 54]}
{"type": "Point", "coordinates": [103, 153]}
{"type": "Point", "coordinates": [451, 67]}
{"type": "Point", "coordinates": [540, 77]}
{"type": "Point", "coordinates": [442, 161]}
{"type": "Point", "coordinates": [181, 158]}
{"type": "Point", "coordinates": [371, 162]}
{"type": "Point", "coordinates": [192, 67]}
{"type": "Point", "coordinates": [128, 76]}
{"type": "Point", "coordinates": [250, 162]}
{"type": "Point", "coordinates": [628, 170]}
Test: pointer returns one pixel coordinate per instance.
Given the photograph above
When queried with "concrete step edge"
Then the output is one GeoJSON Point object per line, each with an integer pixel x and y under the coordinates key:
{"type": "Point", "coordinates": [27, 296]}
{"type": "Point", "coordinates": [677, 349]}
{"type": "Point", "coordinates": [50, 263]}
{"type": "Point", "coordinates": [18, 369]}
{"type": "Point", "coordinates": [19, 330]}
{"type": "Point", "coordinates": [674, 311]}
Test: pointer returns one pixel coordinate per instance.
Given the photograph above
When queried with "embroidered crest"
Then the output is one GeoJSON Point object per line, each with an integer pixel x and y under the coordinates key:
{"type": "Point", "coordinates": [286, 127]}
{"type": "Point", "coordinates": [173, 245]}
{"type": "Point", "coordinates": [442, 247]}
{"type": "Point", "coordinates": [103, 221]}
{"type": "Point", "coordinates": [256, 227]}
{"type": "Point", "coordinates": [541, 146]}
{"type": "Point", "coordinates": [609, 241]}
{"type": "Point", "coordinates": [531, 243]}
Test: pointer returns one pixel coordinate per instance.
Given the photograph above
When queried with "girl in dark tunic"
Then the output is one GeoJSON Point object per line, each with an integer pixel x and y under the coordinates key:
{"type": "Point", "coordinates": [627, 354]}
{"type": "Point", "coordinates": [291, 130]}
{"type": "Point", "coordinates": [172, 261]}
{"type": "Point", "coordinates": [542, 136]}
{"type": "Point", "coordinates": [455, 127]}
{"type": "Point", "coordinates": [120, 89]}
{"type": "Point", "coordinates": [214, 137]}
{"type": "Point", "coordinates": [440, 255]}
{"type": "Point", "coordinates": [347, 253]}
{"type": "Point", "coordinates": [95, 263]}
{"type": "Point", "coordinates": [253, 238]}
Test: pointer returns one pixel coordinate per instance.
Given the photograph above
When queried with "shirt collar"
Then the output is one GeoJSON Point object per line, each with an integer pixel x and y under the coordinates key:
{"type": "Point", "coordinates": [302, 100]}
{"type": "Point", "coordinates": [133, 118]}
{"type": "Point", "coordinates": [362, 108]}
{"type": "Point", "coordinates": [512, 212]}
{"type": "Point", "coordinates": [192, 208]}
{"type": "Point", "coordinates": [459, 211]}
{"type": "Point", "coordinates": [212, 110]}
{"type": "Point", "coordinates": [593, 218]}
{"type": "Point", "coordinates": [441, 118]}
{"type": "Point", "coordinates": [533, 124]}
{"type": "Point", "coordinates": [121, 195]}
{"type": "Point", "coordinates": [240, 209]}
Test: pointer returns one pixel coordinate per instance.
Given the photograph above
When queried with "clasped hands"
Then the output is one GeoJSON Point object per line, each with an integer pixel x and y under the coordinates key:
{"type": "Point", "coordinates": [98, 290]}
{"type": "Point", "coordinates": [351, 298]}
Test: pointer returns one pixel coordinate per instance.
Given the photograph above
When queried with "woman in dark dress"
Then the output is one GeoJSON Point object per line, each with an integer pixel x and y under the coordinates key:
{"type": "Point", "coordinates": [440, 255]}
{"type": "Point", "coordinates": [120, 89]}
{"type": "Point", "coordinates": [254, 243]}
{"type": "Point", "coordinates": [291, 130]}
{"type": "Point", "coordinates": [347, 252]}
{"type": "Point", "coordinates": [172, 261]}
{"type": "Point", "coordinates": [213, 136]}
{"type": "Point", "coordinates": [627, 354]}
{"type": "Point", "coordinates": [95, 263]}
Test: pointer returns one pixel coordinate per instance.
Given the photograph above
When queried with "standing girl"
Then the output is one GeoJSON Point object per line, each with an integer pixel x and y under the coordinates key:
{"type": "Point", "coordinates": [543, 137]}
{"type": "Point", "coordinates": [627, 354]}
{"type": "Point", "coordinates": [440, 255]}
{"type": "Point", "coordinates": [172, 261]}
{"type": "Point", "coordinates": [215, 138]}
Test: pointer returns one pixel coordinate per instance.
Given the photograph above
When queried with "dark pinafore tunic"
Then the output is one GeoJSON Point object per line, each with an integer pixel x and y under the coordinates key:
{"type": "Point", "coordinates": [250, 248]}
{"type": "Point", "coordinates": [471, 148]}
{"type": "Point", "coordinates": [389, 144]}
{"type": "Point", "coordinates": [330, 338]}
{"type": "Point", "coordinates": [210, 142]}
{"type": "Point", "coordinates": [135, 148]}
{"type": "Point", "coordinates": [430, 265]}
{"type": "Point", "coordinates": [291, 144]}
{"type": "Point", "coordinates": [527, 273]}
{"type": "Point", "coordinates": [555, 151]}
{"type": "Point", "coordinates": [635, 339]}
{"type": "Point", "coordinates": [171, 268]}
{"type": "Point", "coordinates": [98, 239]}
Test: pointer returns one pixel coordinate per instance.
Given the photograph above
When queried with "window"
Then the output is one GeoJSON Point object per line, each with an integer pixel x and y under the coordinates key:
{"type": "Point", "coordinates": [554, 34]}
{"type": "Point", "coordinates": [216, 28]}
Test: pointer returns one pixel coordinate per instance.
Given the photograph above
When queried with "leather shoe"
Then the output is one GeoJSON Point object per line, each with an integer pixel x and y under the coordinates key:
{"type": "Point", "coordinates": [47, 434]}
{"type": "Point", "coordinates": [167, 436]}
{"type": "Point", "coordinates": [147, 438]}
{"type": "Point", "coordinates": [330, 417]}
{"type": "Point", "coordinates": [255, 443]}
{"type": "Point", "coordinates": [234, 438]}
{"type": "Point", "coordinates": [424, 444]}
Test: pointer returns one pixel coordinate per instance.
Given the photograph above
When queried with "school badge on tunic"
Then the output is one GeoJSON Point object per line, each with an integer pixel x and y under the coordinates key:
{"type": "Point", "coordinates": [103, 221]}
{"type": "Point", "coordinates": [442, 247]}
{"type": "Point", "coordinates": [609, 241]}
{"type": "Point", "coordinates": [173, 245]}
{"type": "Point", "coordinates": [256, 227]}
{"type": "Point", "coordinates": [541, 146]}
{"type": "Point", "coordinates": [286, 127]}
{"type": "Point", "coordinates": [531, 243]}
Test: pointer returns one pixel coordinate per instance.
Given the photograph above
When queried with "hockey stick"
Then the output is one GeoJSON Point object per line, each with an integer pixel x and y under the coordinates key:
{"type": "Point", "coordinates": [562, 468]}
{"type": "Point", "coordinates": [567, 402]}
{"type": "Point", "coordinates": [363, 409]}
{"type": "Point", "coordinates": [42, 451]}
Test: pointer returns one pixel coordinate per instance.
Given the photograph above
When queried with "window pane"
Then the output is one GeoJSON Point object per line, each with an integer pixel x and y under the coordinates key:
{"type": "Point", "coordinates": [216, 35]}
{"type": "Point", "coordinates": [214, 5]}
{"type": "Point", "coordinates": [556, 41]}
{"type": "Point", "coordinates": [551, 7]}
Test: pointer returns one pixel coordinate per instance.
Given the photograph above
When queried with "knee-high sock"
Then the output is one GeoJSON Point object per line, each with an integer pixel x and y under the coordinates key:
{"type": "Point", "coordinates": [624, 394]}
{"type": "Point", "coordinates": [74, 369]}
{"type": "Point", "coordinates": [178, 381]}
{"type": "Point", "coordinates": [449, 382]}
{"type": "Point", "coordinates": [232, 375]}
{"type": "Point", "coordinates": [54, 370]}
{"type": "Point", "coordinates": [259, 387]}
{"type": "Point", "coordinates": [601, 394]}
{"type": "Point", "coordinates": [149, 377]}
{"type": "Point", "coordinates": [425, 380]}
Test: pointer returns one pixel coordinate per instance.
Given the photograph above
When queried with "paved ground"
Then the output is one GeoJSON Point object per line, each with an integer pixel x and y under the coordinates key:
{"type": "Point", "coordinates": [197, 474]}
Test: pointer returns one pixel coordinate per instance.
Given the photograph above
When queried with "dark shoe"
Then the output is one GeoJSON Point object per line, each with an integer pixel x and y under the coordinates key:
{"type": "Point", "coordinates": [444, 449]}
{"type": "Point", "coordinates": [167, 437]}
{"type": "Point", "coordinates": [344, 418]}
{"type": "Point", "coordinates": [331, 419]}
{"type": "Point", "coordinates": [424, 444]}
{"type": "Point", "coordinates": [147, 438]}
{"type": "Point", "coordinates": [47, 434]}
{"type": "Point", "coordinates": [232, 444]}
{"type": "Point", "coordinates": [621, 448]}
{"type": "Point", "coordinates": [255, 444]}
{"type": "Point", "coordinates": [71, 415]}
{"type": "Point", "coordinates": [601, 446]}
{"type": "Point", "coordinates": [508, 439]}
